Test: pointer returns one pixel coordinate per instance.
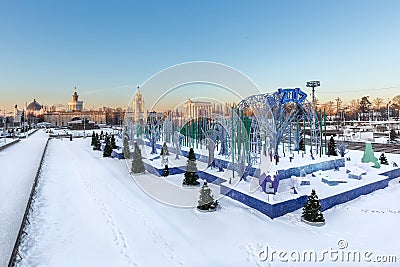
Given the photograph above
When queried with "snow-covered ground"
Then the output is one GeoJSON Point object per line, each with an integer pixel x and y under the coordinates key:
{"type": "Point", "coordinates": [323, 189]}
{"type": "Point", "coordinates": [90, 212]}
{"type": "Point", "coordinates": [5, 141]}
{"type": "Point", "coordinates": [18, 166]}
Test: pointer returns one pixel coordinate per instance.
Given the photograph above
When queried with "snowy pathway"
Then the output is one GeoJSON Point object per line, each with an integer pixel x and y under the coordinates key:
{"type": "Point", "coordinates": [89, 212]}
{"type": "Point", "coordinates": [18, 166]}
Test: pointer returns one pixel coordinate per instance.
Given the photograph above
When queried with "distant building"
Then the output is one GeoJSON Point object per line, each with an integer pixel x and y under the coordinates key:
{"type": "Point", "coordinates": [114, 116]}
{"type": "Point", "coordinates": [75, 113]}
{"type": "Point", "coordinates": [34, 109]}
{"type": "Point", "coordinates": [138, 108]}
{"type": "Point", "coordinates": [195, 109]}
{"type": "Point", "coordinates": [79, 124]}
{"type": "Point", "coordinates": [18, 114]}
{"type": "Point", "coordinates": [75, 105]}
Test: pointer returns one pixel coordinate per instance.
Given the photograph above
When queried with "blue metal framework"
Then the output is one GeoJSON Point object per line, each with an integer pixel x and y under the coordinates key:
{"type": "Point", "coordinates": [276, 116]}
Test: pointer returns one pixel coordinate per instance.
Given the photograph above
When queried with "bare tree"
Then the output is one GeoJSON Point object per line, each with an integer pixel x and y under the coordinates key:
{"type": "Point", "coordinates": [330, 108]}
{"type": "Point", "coordinates": [378, 103]}
{"type": "Point", "coordinates": [396, 100]}
{"type": "Point", "coordinates": [354, 105]}
{"type": "Point", "coordinates": [354, 108]}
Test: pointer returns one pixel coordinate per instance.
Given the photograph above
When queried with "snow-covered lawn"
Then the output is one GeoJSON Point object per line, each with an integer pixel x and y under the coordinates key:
{"type": "Point", "coordinates": [90, 212]}
{"type": "Point", "coordinates": [18, 166]}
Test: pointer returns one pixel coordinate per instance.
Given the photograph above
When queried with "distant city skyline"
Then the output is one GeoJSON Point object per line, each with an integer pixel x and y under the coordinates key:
{"type": "Point", "coordinates": [107, 49]}
{"type": "Point", "coordinates": [63, 105]}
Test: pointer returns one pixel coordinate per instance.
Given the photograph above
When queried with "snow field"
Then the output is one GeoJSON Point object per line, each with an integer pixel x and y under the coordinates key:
{"type": "Point", "coordinates": [90, 212]}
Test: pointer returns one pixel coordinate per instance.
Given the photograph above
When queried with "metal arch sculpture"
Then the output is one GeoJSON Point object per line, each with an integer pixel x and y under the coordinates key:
{"type": "Point", "coordinates": [258, 108]}
{"type": "Point", "coordinates": [303, 113]}
{"type": "Point", "coordinates": [274, 115]}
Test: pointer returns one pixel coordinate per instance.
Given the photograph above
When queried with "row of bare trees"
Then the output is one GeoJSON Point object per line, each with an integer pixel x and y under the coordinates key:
{"type": "Point", "coordinates": [363, 108]}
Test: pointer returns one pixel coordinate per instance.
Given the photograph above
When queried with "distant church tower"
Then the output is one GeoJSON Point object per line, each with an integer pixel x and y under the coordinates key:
{"type": "Point", "coordinates": [138, 107]}
{"type": "Point", "coordinates": [75, 105]}
{"type": "Point", "coordinates": [75, 95]}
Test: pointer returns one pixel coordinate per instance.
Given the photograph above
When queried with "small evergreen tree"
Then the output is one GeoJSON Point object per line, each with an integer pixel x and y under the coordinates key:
{"type": "Point", "coordinates": [332, 147]}
{"type": "Point", "coordinates": [126, 150]}
{"type": "Point", "coordinates": [302, 146]}
{"type": "Point", "coordinates": [393, 135]}
{"type": "Point", "coordinates": [383, 159]}
{"type": "Point", "coordinates": [112, 142]}
{"type": "Point", "coordinates": [312, 209]}
{"type": "Point", "coordinates": [93, 139]}
{"type": "Point", "coordinates": [191, 176]}
{"type": "Point", "coordinates": [97, 144]}
{"type": "Point", "coordinates": [166, 171]}
{"type": "Point", "coordinates": [164, 150]}
{"type": "Point", "coordinates": [137, 161]}
{"type": "Point", "coordinates": [206, 199]}
{"type": "Point", "coordinates": [107, 148]}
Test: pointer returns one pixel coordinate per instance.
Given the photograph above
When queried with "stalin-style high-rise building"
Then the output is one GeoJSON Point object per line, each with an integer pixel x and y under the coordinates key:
{"type": "Point", "coordinates": [138, 108]}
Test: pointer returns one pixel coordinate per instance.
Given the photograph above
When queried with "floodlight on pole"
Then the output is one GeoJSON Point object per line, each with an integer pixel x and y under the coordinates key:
{"type": "Point", "coordinates": [313, 84]}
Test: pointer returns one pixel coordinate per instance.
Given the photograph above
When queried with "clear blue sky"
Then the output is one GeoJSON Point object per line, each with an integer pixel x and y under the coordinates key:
{"type": "Point", "coordinates": [106, 48]}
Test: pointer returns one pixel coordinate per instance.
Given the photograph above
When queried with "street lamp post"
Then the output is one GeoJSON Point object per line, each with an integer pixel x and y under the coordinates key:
{"type": "Point", "coordinates": [338, 103]}
{"type": "Point", "coordinates": [313, 84]}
